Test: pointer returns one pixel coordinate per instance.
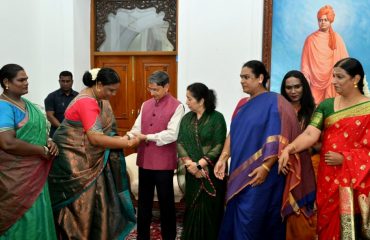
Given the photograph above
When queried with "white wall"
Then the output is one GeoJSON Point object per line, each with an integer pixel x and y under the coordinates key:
{"type": "Point", "coordinates": [81, 39]}
{"type": "Point", "coordinates": [41, 36]}
{"type": "Point", "coordinates": [215, 37]}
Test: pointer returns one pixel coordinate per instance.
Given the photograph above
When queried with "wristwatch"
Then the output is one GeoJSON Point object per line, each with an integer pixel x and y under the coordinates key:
{"type": "Point", "coordinates": [199, 166]}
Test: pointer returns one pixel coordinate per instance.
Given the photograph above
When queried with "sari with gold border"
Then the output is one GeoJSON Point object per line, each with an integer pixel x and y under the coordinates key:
{"type": "Point", "coordinates": [345, 132]}
{"type": "Point", "coordinates": [260, 129]}
{"type": "Point", "coordinates": [88, 184]}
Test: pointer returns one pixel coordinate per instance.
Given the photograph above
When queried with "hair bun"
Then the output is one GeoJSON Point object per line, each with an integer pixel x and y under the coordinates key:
{"type": "Point", "coordinates": [87, 79]}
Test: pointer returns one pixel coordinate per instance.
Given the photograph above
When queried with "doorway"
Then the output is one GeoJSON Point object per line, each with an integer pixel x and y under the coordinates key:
{"type": "Point", "coordinates": [135, 38]}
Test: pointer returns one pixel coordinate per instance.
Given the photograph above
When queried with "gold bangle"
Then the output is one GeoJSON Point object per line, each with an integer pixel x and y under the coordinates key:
{"type": "Point", "coordinates": [293, 147]}
{"type": "Point", "coordinates": [265, 167]}
{"type": "Point", "coordinates": [225, 153]}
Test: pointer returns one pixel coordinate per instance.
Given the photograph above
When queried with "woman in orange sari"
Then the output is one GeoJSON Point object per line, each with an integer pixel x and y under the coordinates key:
{"type": "Point", "coordinates": [344, 166]}
{"type": "Point", "coordinates": [296, 90]}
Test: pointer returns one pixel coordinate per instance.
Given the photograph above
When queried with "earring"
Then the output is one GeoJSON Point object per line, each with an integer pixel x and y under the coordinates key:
{"type": "Point", "coordinates": [355, 85]}
{"type": "Point", "coordinates": [6, 87]}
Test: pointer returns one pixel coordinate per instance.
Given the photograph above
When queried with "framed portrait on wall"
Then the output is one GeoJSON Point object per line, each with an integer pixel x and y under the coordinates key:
{"type": "Point", "coordinates": [289, 23]}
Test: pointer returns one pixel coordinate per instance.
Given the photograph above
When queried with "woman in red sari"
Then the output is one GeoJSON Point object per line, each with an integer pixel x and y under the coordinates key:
{"type": "Point", "coordinates": [344, 166]}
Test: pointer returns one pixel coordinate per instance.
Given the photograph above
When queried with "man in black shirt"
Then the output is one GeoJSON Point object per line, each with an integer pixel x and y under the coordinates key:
{"type": "Point", "coordinates": [57, 101]}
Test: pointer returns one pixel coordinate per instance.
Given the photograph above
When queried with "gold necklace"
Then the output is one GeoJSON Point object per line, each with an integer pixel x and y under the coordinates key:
{"type": "Point", "coordinates": [93, 93]}
{"type": "Point", "coordinates": [14, 102]}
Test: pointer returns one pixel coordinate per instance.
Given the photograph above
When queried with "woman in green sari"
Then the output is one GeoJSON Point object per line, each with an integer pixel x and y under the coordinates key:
{"type": "Point", "coordinates": [25, 160]}
{"type": "Point", "coordinates": [200, 142]}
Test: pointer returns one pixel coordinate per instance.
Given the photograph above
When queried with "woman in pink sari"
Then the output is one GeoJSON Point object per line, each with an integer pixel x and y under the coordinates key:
{"type": "Point", "coordinates": [344, 167]}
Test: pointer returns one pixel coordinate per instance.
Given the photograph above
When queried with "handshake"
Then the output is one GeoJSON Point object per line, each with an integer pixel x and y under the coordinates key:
{"type": "Point", "coordinates": [133, 139]}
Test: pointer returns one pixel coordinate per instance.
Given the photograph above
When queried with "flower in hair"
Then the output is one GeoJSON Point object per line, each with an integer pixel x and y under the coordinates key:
{"type": "Point", "coordinates": [94, 73]}
{"type": "Point", "coordinates": [365, 88]}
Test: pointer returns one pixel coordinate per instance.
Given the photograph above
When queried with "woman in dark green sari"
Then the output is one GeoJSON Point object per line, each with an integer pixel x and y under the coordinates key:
{"type": "Point", "coordinates": [25, 160]}
{"type": "Point", "coordinates": [200, 142]}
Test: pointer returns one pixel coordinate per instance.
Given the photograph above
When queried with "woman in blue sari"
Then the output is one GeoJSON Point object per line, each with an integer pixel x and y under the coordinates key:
{"type": "Point", "coordinates": [257, 196]}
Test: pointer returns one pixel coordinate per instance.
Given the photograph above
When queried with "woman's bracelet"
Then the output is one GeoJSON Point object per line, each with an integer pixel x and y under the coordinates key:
{"type": "Point", "coordinates": [292, 147]}
{"type": "Point", "coordinates": [265, 167]}
{"type": "Point", "coordinates": [225, 156]}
